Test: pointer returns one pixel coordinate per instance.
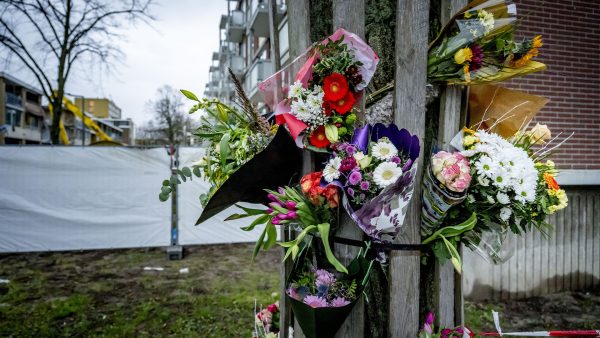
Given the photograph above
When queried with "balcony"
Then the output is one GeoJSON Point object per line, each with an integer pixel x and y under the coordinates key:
{"type": "Point", "coordinates": [258, 72]}
{"type": "Point", "coordinates": [235, 27]}
{"type": "Point", "coordinates": [259, 20]}
{"type": "Point", "coordinates": [236, 63]}
{"type": "Point", "coordinates": [223, 22]}
{"type": "Point", "coordinates": [14, 100]}
{"type": "Point", "coordinates": [25, 134]}
{"type": "Point", "coordinates": [215, 56]}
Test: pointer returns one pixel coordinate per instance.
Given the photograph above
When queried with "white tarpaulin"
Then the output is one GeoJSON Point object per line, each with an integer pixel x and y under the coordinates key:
{"type": "Point", "coordinates": [72, 198]}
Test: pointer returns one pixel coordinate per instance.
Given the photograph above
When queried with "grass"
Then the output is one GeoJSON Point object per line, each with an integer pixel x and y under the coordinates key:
{"type": "Point", "coordinates": [108, 294]}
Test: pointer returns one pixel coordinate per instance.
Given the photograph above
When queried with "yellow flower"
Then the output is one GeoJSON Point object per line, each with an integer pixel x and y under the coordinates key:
{"type": "Point", "coordinates": [463, 55]}
{"type": "Point", "coordinates": [539, 134]}
{"type": "Point", "coordinates": [467, 73]}
{"type": "Point", "coordinates": [468, 131]}
{"type": "Point", "coordinates": [533, 52]}
{"type": "Point", "coordinates": [469, 140]}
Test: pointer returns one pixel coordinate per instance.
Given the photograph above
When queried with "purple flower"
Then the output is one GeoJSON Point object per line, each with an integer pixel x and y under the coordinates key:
{"type": "Point", "coordinates": [339, 302]}
{"type": "Point", "coordinates": [314, 301]}
{"type": "Point", "coordinates": [281, 190]}
{"type": "Point", "coordinates": [396, 159]}
{"type": "Point", "coordinates": [445, 333]}
{"type": "Point", "coordinates": [292, 293]}
{"type": "Point", "coordinates": [269, 210]}
{"type": "Point", "coordinates": [350, 192]}
{"type": "Point", "coordinates": [350, 149]}
{"type": "Point", "coordinates": [291, 215]}
{"type": "Point", "coordinates": [364, 185]}
{"type": "Point", "coordinates": [275, 221]}
{"type": "Point", "coordinates": [290, 205]}
{"type": "Point", "coordinates": [430, 318]}
{"type": "Point", "coordinates": [348, 164]}
{"type": "Point", "coordinates": [355, 177]}
{"type": "Point", "coordinates": [459, 330]}
{"type": "Point", "coordinates": [324, 277]}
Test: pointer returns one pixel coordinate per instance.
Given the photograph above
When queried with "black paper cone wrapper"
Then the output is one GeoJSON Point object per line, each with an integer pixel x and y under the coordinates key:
{"type": "Point", "coordinates": [279, 164]}
{"type": "Point", "coordinates": [324, 322]}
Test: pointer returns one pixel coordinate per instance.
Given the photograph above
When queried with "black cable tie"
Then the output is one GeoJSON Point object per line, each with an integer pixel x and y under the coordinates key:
{"type": "Point", "coordinates": [378, 245]}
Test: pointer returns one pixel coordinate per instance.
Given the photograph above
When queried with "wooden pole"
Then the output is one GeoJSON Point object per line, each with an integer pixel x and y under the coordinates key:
{"type": "Point", "coordinates": [350, 15]}
{"type": "Point", "coordinates": [444, 286]}
{"type": "Point", "coordinates": [412, 26]}
{"type": "Point", "coordinates": [299, 41]}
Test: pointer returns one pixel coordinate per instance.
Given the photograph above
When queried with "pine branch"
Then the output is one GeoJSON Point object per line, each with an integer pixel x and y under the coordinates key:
{"type": "Point", "coordinates": [256, 120]}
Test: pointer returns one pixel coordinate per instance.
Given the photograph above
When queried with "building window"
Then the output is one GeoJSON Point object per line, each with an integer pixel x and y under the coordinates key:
{"type": "Point", "coordinates": [13, 117]}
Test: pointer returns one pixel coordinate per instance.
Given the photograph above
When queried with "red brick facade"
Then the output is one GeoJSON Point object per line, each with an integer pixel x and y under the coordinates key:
{"type": "Point", "coordinates": [571, 34]}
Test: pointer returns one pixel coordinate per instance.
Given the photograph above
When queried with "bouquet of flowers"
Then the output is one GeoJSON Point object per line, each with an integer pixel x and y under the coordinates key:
{"type": "Point", "coordinates": [513, 188]}
{"type": "Point", "coordinates": [310, 209]}
{"type": "Point", "coordinates": [428, 330]}
{"type": "Point", "coordinates": [477, 46]}
{"type": "Point", "coordinates": [322, 299]}
{"type": "Point", "coordinates": [319, 107]}
{"type": "Point", "coordinates": [266, 322]}
{"type": "Point", "coordinates": [240, 143]}
{"type": "Point", "coordinates": [376, 172]}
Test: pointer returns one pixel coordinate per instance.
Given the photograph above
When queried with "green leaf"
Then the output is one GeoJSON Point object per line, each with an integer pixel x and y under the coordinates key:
{"type": "Point", "coordinates": [271, 236]}
{"type": "Point", "coordinates": [331, 132]}
{"type": "Point", "coordinates": [453, 230]}
{"type": "Point", "coordinates": [455, 256]}
{"type": "Point", "coordinates": [258, 244]}
{"type": "Point", "coordinates": [189, 95]}
{"type": "Point", "coordinates": [165, 183]}
{"type": "Point", "coordinates": [324, 231]}
{"type": "Point", "coordinates": [174, 181]}
{"type": "Point", "coordinates": [259, 220]}
{"type": "Point", "coordinates": [163, 197]}
{"type": "Point", "coordinates": [224, 148]}
{"type": "Point", "coordinates": [165, 190]}
{"type": "Point", "coordinates": [186, 171]}
{"type": "Point", "coordinates": [197, 172]}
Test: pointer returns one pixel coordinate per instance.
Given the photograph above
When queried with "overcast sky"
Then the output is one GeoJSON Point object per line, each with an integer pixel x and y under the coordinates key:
{"type": "Point", "coordinates": [175, 50]}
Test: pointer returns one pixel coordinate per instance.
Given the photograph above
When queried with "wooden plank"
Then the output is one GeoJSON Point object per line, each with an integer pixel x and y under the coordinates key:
{"type": "Point", "coordinates": [596, 236]}
{"type": "Point", "coordinates": [574, 243]}
{"type": "Point", "coordinates": [350, 15]}
{"type": "Point", "coordinates": [299, 41]}
{"type": "Point", "coordinates": [589, 240]}
{"type": "Point", "coordinates": [411, 57]}
{"type": "Point", "coordinates": [449, 125]}
{"type": "Point", "coordinates": [582, 242]}
{"type": "Point", "coordinates": [560, 257]}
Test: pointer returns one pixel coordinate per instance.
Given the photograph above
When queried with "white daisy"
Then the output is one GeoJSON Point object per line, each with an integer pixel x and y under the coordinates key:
{"type": "Point", "coordinates": [485, 166]}
{"type": "Point", "coordinates": [296, 90]}
{"type": "Point", "coordinates": [483, 181]}
{"type": "Point", "coordinates": [505, 214]}
{"type": "Point", "coordinates": [386, 173]}
{"type": "Point", "coordinates": [502, 198]}
{"type": "Point", "coordinates": [332, 169]}
{"type": "Point", "coordinates": [500, 178]}
{"type": "Point", "coordinates": [384, 150]}
{"type": "Point", "coordinates": [490, 199]}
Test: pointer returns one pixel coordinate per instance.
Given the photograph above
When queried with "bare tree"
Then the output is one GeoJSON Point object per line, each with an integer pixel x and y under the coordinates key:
{"type": "Point", "coordinates": [48, 37]}
{"type": "Point", "coordinates": [169, 122]}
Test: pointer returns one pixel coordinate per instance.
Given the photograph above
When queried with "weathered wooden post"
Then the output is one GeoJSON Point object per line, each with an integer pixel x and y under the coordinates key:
{"type": "Point", "coordinates": [299, 40]}
{"type": "Point", "coordinates": [350, 15]}
{"type": "Point", "coordinates": [412, 26]}
{"type": "Point", "coordinates": [446, 291]}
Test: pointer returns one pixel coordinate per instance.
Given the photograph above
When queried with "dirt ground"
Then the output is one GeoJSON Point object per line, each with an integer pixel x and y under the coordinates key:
{"type": "Point", "coordinates": [107, 293]}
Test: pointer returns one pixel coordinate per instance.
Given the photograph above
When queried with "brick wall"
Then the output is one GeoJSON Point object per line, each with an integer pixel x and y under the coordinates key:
{"type": "Point", "coordinates": [571, 34]}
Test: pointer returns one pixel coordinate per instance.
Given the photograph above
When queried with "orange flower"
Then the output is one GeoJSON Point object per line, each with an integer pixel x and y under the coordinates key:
{"type": "Point", "coordinates": [551, 182]}
{"type": "Point", "coordinates": [335, 87]}
{"type": "Point", "coordinates": [311, 187]}
{"type": "Point", "coordinates": [536, 43]}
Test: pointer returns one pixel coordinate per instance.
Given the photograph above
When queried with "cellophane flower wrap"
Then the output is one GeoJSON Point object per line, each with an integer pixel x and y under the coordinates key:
{"type": "Point", "coordinates": [444, 185]}
{"type": "Point", "coordinates": [309, 209]}
{"type": "Point", "coordinates": [321, 297]}
{"type": "Point", "coordinates": [513, 187]}
{"type": "Point", "coordinates": [266, 321]}
{"type": "Point", "coordinates": [376, 171]}
{"type": "Point", "coordinates": [317, 100]}
{"type": "Point", "coordinates": [477, 46]}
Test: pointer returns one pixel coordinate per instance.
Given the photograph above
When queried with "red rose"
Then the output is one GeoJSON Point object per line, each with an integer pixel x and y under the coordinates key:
{"type": "Point", "coordinates": [345, 104]}
{"type": "Point", "coordinates": [335, 87]}
{"type": "Point", "coordinates": [327, 108]}
{"type": "Point", "coordinates": [318, 138]}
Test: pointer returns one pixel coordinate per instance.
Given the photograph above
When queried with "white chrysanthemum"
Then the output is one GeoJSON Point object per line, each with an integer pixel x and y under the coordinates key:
{"type": "Point", "coordinates": [386, 173]}
{"type": "Point", "coordinates": [502, 198]}
{"type": "Point", "coordinates": [485, 166]}
{"type": "Point", "coordinates": [490, 199]}
{"type": "Point", "coordinates": [501, 178]}
{"type": "Point", "coordinates": [314, 102]}
{"type": "Point", "coordinates": [483, 181]}
{"type": "Point", "coordinates": [524, 193]}
{"type": "Point", "coordinates": [384, 150]}
{"type": "Point", "coordinates": [296, 90]}
{"type": "Point", "coordinates": [332, 169]}
{"type": "Point", "coordinates": [505, 214]}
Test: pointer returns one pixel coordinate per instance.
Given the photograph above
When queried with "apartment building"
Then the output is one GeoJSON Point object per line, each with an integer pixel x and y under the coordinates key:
{"type": "Point", "coordinates": [21, 112]}
{"type": "Point", "coordinates": [99, 107]}
{"type": "Point", "coordinates": [245, 48]}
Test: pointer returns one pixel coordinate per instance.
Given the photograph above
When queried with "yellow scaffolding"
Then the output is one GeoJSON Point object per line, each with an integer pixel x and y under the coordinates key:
{"type": "Point", "coordinates": [87, 121]}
